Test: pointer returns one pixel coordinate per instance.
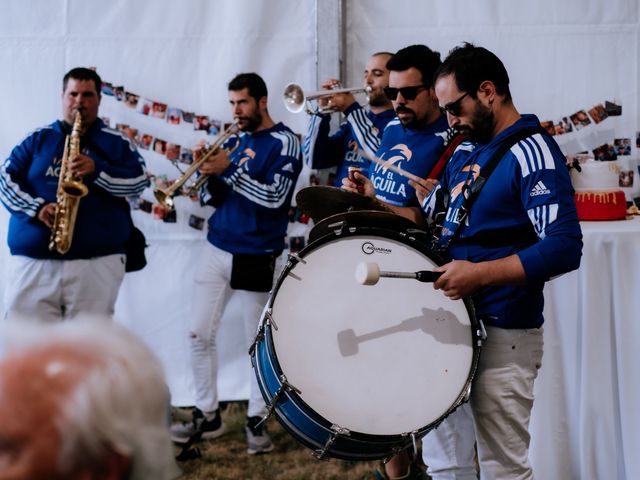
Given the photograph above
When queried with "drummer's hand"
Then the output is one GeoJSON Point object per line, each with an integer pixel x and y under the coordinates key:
{"type": "Point", "coordinates": [423, 188]}
{"type": "Point", "coordinates": [460, 279]}
{"type": "Point", "coordinates": [366, 187]}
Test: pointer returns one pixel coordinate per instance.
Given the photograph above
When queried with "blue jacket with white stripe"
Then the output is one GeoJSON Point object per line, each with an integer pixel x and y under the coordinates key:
{"type": "Point", "coordinates": [29, 180]}
{"type": "Point", "coordinates": [253, 195]}
{"type": "Point", "coordinates": [530, 189]}
{"type": "Point", "coordinates": [361, 129]}
{"type": "Point", "coordinates": [414, 150]}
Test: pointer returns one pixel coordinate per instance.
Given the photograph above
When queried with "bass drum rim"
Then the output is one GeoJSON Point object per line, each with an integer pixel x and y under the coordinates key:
{"type": "Point", "coordinates": [386, 444]}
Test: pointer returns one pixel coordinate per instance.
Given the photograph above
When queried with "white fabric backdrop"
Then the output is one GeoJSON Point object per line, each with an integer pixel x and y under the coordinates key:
{"type": "Point", "coordinates": [584, 422]}
{"type": "Point", "coordinates": [179, 53]}
{"type": "Point", "coordinates": [561, 56]}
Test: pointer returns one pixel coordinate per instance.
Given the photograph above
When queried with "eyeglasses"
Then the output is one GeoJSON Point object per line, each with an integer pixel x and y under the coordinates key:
{"type": "Point", "coordinates": [453, 108]}
{"type": "Point", "coordinates": [408, 93]}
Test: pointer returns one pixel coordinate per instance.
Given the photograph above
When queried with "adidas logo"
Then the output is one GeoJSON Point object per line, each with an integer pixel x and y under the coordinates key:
{"type": "Point", "coordinates": [539, 189]}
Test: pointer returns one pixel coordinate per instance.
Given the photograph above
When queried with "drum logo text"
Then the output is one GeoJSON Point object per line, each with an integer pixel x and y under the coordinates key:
{"type": "Point", "coordinates": [369, 249]}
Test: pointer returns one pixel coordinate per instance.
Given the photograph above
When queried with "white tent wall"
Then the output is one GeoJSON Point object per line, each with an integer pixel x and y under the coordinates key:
{"type": "Point", "coordinates": [179, 53]}
{"type": "Point", "coordinates": [561, 56]}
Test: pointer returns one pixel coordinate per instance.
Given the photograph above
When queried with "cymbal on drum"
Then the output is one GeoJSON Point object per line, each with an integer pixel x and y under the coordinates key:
{"type": "Point", "coordinates": [322, 201]}
{"type": "Point", "coordinates": [364, 218]}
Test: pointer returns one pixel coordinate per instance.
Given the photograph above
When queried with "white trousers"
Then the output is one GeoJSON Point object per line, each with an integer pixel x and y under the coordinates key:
{"type": "Point", "coordinates": [497, 416]}
{"type": "Point", "coordinates": [56, 290]}
{"type": "Point", "coordinates": [211, 291]}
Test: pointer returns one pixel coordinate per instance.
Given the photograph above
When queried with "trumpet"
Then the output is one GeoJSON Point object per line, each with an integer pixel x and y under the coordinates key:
{"type": "Point", "coordinates": [165, 196]}
{"type": "Point", "coordinates": [295, 99]}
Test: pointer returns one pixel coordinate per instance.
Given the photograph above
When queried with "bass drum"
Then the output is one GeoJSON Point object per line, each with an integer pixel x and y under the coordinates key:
{"type": "Point", "coordinates": [359, 372]}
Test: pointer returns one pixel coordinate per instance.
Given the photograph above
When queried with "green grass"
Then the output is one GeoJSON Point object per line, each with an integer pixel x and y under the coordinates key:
{"type": "Point", "coordinates": [226, 458]}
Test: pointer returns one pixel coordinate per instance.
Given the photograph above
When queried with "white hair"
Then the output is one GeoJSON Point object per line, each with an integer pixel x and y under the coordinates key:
{"type": "Point", "coordinates": [120, 405]}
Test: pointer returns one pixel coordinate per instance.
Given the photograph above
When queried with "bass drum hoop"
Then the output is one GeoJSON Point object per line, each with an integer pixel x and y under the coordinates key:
{"type": "Point", "coordinates": [382, 446]}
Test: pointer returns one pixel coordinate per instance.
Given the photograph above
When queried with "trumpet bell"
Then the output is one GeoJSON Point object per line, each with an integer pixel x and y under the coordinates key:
{"type": "Point", "coordinates": [165, 199]}
{"type": "Point", "coordinates": [294, 100]}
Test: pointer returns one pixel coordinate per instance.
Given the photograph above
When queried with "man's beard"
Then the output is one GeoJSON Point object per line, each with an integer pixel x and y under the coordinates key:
{"type": "Point", "coordinates": [482, 123]}
{"type": "Point", "coordinates": [253, 122]}
{"type": "Point", "coordinates": [377, 99]}
{"type": "Point", "coordinates": [411, 121]}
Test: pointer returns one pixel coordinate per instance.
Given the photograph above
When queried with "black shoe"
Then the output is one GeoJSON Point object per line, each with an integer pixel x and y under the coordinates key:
{"type": "Point", "coordinates": [182, 432]}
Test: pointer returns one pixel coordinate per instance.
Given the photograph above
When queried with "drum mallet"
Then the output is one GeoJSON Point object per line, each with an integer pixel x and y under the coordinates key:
{"type": "Point", "coordinates": [368, 273]}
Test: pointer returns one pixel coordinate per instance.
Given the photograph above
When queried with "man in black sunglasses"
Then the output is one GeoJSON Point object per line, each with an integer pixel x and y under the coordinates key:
{"type": "Point", "coordinates": [518, 232]}
{"type": "Point", "coordinates": [415, 140]}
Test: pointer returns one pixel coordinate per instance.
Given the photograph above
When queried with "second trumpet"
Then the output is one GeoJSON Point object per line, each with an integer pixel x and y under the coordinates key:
{"type": "Point", "coordinates": [165, 195]}
{"type": "Point", "coordinates": [295, 99]}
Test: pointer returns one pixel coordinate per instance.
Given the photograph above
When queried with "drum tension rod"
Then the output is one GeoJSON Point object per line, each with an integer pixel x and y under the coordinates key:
{"type": "Point", "coordinates": [337, 431]}
{"type": "Point", "coordinates": [258, 339]}
{"type": "Point", "coordinates": [398, 448]}
{"type": "Point", "coordinates": [269, 319]}
{"type": "Point", "coordinates": [481, 333]}
{"type": "Point", "coordinates": [284, 387]}
{"type": "Point", "coordinates": [415, 444]}
{"type": "Point", "coordinates": [294, 258]}
{"type": "Point", "coordinates": [467, 393]}
{"type": "Point", "coordinates": [260, 332]}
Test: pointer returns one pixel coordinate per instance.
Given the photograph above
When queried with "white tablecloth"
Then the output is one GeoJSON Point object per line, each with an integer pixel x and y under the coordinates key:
{"type": "Point", "coordinates": [585, 422]}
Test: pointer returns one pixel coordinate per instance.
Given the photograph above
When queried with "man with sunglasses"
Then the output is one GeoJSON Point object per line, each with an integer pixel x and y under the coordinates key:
{"type": "Point", "coordinates": [415, 140]}
{"type": "Point", "coordinates": [518, 232]}
{"type": "Point", "coordinates": [322, 150]}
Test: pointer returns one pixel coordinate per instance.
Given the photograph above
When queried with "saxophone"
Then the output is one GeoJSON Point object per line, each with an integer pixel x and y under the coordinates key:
{"type": "Point", "coordinates": [70, 191]}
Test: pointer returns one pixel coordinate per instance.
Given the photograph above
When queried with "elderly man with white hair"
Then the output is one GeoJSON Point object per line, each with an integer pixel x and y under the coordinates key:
{"type": "Point", "coordinates": [82, 401]}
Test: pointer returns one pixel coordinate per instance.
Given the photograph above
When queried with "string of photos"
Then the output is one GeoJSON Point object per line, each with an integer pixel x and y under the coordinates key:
{"type": "Point", "coordinates": [588, 117]}
{"type": "Point", "coordinates": [173, 152]}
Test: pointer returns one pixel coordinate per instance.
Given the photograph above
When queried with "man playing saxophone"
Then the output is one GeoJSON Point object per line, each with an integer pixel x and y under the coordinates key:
{"type": "Point", "coordinates": [52, 284]}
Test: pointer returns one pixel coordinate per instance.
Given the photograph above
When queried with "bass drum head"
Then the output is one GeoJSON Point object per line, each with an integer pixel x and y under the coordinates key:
{"type": "Point", "coordinates": [385, 359]}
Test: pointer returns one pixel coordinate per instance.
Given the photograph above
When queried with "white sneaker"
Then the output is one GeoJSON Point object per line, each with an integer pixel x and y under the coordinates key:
{"type": "Point", "coordinates": [258, 440]}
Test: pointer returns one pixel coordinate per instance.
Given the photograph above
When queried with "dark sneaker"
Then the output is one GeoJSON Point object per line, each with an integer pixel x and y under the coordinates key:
{"type": "Point", "coordinates": [258, 440]}
{"type": "Point", "coordinates": [183, 432]}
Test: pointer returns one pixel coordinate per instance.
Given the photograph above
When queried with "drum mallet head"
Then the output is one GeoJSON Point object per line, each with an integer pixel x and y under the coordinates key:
{"type": "Point", "coordinates": [368, 273]}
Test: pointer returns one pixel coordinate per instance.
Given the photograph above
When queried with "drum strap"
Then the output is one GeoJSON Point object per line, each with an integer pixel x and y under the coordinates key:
{"type": "Point", "coordinates": [446, 155]}
{"type": "Point", "coordinates": [472, 191]}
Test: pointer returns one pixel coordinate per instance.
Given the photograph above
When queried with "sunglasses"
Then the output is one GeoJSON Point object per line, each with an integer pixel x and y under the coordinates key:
{"type": "Point", "coordinates": [453, 108]}
{"type": "Point", "coordinates": [408, 93]}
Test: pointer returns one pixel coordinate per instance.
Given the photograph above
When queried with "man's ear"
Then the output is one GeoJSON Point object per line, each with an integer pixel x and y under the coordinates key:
{"type": "Point", "coordinates": [487, 91]}
{"type": "Point", "coordinates": [262, 103]}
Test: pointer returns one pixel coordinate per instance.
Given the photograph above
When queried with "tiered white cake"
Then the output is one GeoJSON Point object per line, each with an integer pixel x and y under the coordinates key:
{"type": "Point", "coordinates": [598, 194]}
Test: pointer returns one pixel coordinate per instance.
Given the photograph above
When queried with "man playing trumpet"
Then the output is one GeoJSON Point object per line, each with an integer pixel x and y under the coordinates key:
{"type": "Point", "coordinates": [43, 283]}
{"type": "Point", "coordinates": [251, 182]}
{"type": "Point", "coordinates": [340, 149]}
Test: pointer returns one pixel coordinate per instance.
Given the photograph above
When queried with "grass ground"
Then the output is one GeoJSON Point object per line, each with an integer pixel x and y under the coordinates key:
{"type": "Point", "coordinates": [225, 458]}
